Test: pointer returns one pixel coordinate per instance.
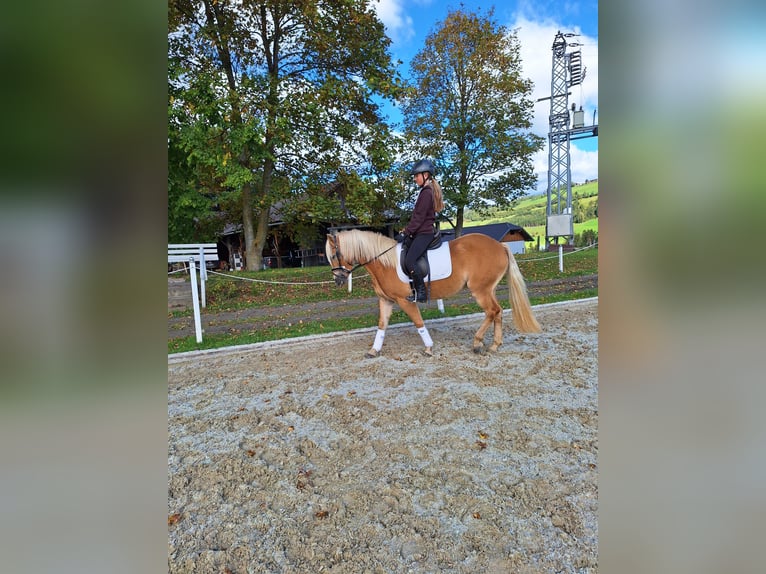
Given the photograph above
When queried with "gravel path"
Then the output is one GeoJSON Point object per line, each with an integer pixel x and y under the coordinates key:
{"type": "Point", "coordinates": [301, 456]}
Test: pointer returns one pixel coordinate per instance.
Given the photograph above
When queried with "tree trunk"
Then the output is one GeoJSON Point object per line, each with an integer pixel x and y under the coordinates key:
{"type": "Point", "coordinates": [261, 232]}
{"type": "Point", "coordinates": [277, 253]}
{"type": "Point", "coordinates": [252, 255]}
{"type": "Point", "coordinates": [459, 222]}
{"type": "Point", "coordinates": [262, 229]}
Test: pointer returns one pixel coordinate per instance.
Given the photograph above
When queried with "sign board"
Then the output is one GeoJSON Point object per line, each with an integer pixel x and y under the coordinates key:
{"type": "Point", "coordinates": [560, 226]}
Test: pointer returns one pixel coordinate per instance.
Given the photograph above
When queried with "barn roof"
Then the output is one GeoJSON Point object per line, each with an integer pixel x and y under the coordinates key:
{"type": "Point", "coordinates": [494, 230]}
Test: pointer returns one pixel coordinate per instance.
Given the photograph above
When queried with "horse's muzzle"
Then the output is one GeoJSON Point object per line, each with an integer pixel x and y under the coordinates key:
{"type": "Point", "coordinates": [340, 278]}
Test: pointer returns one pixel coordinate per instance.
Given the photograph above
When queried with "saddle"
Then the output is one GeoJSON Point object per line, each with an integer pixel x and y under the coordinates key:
{"type": "Point", "coordinates": [421, 263]}
{"type": "Point", "coordinates": [435, 264]}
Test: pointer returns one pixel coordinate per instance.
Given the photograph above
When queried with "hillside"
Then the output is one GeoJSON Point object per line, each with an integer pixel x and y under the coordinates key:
{"type": "Point", "coordinates": [529, 212]}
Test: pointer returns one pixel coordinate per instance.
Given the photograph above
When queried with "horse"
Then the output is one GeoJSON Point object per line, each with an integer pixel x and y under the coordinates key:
{"type": "Point", "coordinates": [478, 262]}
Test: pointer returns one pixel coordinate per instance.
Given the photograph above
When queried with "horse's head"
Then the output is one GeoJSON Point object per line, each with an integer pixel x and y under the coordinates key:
{"type": "Point", "coordinates": [340, 271]}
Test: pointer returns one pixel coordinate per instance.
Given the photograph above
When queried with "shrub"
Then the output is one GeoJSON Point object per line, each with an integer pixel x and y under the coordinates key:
{"type": "Point", "coordinates": [587, 237]}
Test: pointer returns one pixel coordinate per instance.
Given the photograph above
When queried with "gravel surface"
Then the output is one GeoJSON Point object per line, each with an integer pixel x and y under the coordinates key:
{"type": "Point", "coordinates": [302, 456]}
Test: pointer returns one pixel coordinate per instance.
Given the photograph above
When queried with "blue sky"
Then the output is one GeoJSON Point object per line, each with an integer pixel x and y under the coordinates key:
{"type": "Point", "coordinates": [408, 22]}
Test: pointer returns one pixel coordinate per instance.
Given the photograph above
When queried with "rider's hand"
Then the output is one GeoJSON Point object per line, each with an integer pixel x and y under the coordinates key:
{"type": "Point", "coordinates": [399, 237]}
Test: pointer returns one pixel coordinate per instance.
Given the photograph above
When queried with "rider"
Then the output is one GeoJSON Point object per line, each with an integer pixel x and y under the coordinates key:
{"type": "Point", "coordinates": [420, 230]}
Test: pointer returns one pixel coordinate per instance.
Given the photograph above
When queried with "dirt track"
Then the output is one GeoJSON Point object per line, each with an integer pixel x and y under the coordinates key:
{"type": "Point", "coordinates": [301, 456]}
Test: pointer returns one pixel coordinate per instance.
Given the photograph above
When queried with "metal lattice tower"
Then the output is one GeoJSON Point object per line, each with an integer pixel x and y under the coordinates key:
{"type": "Point", "coordinates": [567, 71]}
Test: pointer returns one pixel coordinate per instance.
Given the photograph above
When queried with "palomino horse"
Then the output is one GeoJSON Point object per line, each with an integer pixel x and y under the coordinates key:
{"type": "Point", "coordinates": [478, 261]}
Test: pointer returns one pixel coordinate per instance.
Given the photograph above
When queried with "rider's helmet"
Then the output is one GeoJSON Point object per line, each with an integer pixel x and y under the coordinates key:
{"type": "Point", "coordinates": [423, 165]}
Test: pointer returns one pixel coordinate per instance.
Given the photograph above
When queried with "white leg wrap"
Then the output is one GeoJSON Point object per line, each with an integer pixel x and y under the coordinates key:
{"type": "Point", "coordinates": [379, 336]}
{"type": "Point", "coordinates": [423, 332]}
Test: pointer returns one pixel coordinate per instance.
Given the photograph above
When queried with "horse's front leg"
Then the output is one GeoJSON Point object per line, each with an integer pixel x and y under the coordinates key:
{"type": "Point", "coordinates": [413, 312]}
{"type": "Point", "coordinates": [386, 307]}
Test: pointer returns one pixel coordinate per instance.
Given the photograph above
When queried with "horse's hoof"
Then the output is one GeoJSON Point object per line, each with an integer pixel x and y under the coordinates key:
{"type": "Point", "coordinates": [372, 354]}
{"type": "Point", "coordinates": [479, 350]}
{"type": "Point", "coordinates": [428, 352]}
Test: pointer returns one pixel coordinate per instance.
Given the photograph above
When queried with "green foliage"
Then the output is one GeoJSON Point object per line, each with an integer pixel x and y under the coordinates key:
{"type": "Point", "coordinates": [186, 205]}
{"type": "Point", "coordinates": [471, 111]}
{"type": "Point", "coordinates": [587, 237]}
{"type": "Point", "coordinates": [274, 103]}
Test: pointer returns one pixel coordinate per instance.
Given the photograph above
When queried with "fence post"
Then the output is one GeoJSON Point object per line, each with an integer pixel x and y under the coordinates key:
{"type": "Point", "coordinates": [202, 276]}
{"type": "Point", "coordinates": [561, 258]}
{"type": "Point", "coordinates": [195, 300]}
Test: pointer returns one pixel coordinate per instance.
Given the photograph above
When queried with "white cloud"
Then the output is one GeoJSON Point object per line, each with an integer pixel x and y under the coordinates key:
{"type": "Point", "coordinates": [584, 165]}
{"type": "Point", "coordinates": [399, 25]}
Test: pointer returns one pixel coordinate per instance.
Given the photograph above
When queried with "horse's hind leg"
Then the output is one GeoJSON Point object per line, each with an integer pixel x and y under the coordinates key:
{"type": "Point", "coordinates": [493, 315]}
{"type": "Point", "coordinates": [386, 307]}
{"type": "Point", "coordinates": [497, 339]}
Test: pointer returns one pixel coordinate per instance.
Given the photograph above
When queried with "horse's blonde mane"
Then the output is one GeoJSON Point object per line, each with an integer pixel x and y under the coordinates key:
{"type": "Point", "coordinates": [362, 246]}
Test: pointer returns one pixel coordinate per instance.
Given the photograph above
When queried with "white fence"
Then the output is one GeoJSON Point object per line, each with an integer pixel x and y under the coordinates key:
{"type": "Point", "coordinates": [195, 254]}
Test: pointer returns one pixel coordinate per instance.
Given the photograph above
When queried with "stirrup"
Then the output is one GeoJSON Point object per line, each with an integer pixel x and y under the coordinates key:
{"type": "Point", "coordinates": [415, 297]}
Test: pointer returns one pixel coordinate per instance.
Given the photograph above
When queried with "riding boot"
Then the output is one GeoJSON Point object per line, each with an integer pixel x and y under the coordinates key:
{"type": "Point", "coordinates": [420, 295]}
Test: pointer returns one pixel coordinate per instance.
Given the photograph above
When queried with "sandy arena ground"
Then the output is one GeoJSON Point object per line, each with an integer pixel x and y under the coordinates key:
{"type": "Point", "coordinates": [303, 456]}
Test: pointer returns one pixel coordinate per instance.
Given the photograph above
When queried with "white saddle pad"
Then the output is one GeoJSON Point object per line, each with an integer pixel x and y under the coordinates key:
{"type": "Point", "coordinates": [438, 259]}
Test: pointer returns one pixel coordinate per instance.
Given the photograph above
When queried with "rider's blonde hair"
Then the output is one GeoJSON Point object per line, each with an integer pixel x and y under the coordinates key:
{"type": "Point", "coordinates": [438, 199]}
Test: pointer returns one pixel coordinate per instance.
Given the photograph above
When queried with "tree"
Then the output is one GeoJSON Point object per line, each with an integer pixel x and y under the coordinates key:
{"type": "Point", "coordinates": [578, 211]}
{"type": "Point", "coordinates": [274, 99]}
{"type": "Point", "coordinates": [196, 191]}
{"type": "Point", "coordinates": [469, 109]}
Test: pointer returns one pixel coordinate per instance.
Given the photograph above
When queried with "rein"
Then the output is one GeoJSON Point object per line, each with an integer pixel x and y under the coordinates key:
{"type": "Point", "coordinates": [358, 265]}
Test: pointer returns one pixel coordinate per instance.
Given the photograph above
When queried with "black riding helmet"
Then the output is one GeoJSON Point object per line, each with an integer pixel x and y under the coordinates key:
{"type": "Point", "coordinates": [423, 165]}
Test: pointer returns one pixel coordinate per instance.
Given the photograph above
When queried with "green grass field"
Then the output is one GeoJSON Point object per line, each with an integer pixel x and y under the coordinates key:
{"type": "Point", "coordinates": [529, 213]}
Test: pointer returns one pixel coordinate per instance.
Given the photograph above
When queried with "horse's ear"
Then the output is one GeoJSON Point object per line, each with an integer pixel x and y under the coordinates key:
{"type": "Point", "coordinates": [330, 239]}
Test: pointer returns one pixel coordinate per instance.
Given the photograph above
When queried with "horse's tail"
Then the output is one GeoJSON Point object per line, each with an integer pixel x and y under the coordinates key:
{"type": "Point", "coordinates": [523, 317]}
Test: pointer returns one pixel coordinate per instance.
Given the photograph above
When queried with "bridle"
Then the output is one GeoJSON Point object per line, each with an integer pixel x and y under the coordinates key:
{"type": "Point", "coordinates": [341, 273]}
